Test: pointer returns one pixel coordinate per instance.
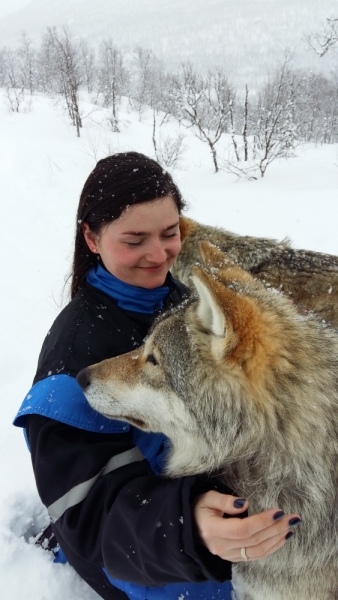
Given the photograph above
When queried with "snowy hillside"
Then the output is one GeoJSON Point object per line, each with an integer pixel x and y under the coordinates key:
{"type": "Point", "coordinates": [42, 169]}
{"type": "Point", "coordinates": [246, 36]}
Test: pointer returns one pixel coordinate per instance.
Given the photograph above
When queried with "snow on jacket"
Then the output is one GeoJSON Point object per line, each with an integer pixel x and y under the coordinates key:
{"type": "Point", "coordinates": [123, 527]}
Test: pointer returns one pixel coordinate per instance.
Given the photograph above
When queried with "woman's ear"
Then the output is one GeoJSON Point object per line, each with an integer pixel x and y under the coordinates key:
{"type": "Point", "coordinates": [90, 237]}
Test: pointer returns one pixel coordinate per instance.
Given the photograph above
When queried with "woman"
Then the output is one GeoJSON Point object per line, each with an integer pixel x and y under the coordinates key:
{"type": "Point", "coordinates": [127, 531]}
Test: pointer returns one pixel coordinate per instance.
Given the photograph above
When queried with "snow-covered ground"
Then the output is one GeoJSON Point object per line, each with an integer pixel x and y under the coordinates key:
{"type": "Point", "coordinates": [42, 169]}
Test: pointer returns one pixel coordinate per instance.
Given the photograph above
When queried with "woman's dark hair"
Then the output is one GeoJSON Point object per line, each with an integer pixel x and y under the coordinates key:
{"type": "Point", "coordinates": [118, 181]}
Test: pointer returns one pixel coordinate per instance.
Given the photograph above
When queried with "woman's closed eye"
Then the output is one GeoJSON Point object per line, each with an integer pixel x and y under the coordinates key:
{"type": "Point", "coordinates": [134, 243]}
{"type": "Point", "coordinates": [171, 235]}
{"type": "Point", "coordinates": [140, 242]}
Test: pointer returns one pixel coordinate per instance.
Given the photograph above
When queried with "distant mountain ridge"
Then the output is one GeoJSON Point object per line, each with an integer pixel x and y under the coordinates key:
{"type": "Point", "coordinates": [247, 37]}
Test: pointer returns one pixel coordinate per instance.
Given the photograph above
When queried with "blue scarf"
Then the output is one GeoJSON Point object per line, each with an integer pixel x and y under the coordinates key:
{"type": "Point", "coordinates": [129, 297]}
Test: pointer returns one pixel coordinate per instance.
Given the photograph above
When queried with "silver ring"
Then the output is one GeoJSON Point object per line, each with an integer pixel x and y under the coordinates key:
{"type": "Point", "coordinates": [243, 554]}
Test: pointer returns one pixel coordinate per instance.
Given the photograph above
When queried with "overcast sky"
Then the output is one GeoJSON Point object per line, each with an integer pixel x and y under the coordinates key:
{"type": "Point", "coordinates": [9, 6]}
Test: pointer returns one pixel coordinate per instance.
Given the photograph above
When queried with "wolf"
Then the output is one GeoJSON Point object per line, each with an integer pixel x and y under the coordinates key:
{"type": "Point", "coordinates": [245, 386]}
{"type": "Point", "coordinates": [310, 279]}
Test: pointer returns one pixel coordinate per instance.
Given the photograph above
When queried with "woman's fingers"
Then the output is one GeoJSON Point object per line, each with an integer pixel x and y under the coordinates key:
{"type": "Point", "coordinates": [257, 528]}
{"type": "Point", "coordinates": [209, 510]}
{"type": "Point", "coordinates": [258, 552]}
{"type": "Point", "coordinates": [231, 536]}
{"type": "Point", "coordinates": [259, 534]}
{"type": "Point", "coordinates": [221, 503]}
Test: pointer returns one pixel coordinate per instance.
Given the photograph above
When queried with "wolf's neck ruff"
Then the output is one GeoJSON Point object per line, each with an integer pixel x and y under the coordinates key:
{"type": "Point", "coordinates": [129, 297]}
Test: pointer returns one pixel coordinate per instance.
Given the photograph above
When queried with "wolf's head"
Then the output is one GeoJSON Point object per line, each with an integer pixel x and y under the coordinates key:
{"type": "Point", "coordinates": [217, 375]}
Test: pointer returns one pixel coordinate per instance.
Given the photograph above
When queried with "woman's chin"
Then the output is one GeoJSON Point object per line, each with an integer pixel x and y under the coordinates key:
{"type": "Point", "coordinates": [150, 283]}
{"type": "Point", "coordinates": [151, 278]}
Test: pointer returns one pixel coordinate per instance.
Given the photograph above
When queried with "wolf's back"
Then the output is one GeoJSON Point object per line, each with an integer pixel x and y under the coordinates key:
{"type": "Point", "coordinates": [309, 278]}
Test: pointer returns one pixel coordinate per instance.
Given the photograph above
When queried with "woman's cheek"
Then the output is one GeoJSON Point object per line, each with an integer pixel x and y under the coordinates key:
{"type": "Point", "coordinates": [177, 247]}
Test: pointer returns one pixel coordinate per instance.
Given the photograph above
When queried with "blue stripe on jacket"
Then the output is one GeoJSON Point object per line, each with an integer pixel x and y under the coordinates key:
{"type": "Point", "coordinates": [176, 591]}
{"type": "Point", "coordinates": [60, 397]}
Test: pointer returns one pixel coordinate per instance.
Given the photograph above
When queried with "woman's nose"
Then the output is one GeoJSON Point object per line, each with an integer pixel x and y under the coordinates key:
{"type": "Point", "coordinates": [156, 253]}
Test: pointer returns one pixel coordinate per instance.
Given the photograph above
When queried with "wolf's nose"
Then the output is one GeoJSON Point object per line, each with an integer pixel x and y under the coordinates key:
{"type": "Point", "coordinates": [83, 379]}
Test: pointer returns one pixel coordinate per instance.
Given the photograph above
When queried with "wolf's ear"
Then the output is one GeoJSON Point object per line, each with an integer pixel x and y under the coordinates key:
{"type": "Point", "coordinates": [187, 227]}
{"type": "Point", "coordinates": [209, 311]}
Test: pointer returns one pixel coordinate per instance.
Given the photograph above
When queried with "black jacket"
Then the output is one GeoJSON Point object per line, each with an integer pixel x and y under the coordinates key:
{"type": "Point", "coordinates": [135, 524]}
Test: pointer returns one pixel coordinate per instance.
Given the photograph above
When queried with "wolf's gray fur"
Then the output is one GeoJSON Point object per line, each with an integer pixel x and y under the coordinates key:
{"type": "Point", "coordinates": [309, 278]}
{"type": "Point", "coordinates": [246, 386]}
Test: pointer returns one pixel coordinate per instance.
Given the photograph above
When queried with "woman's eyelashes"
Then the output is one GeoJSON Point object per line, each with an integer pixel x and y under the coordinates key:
{"type": "Point", "coordinates": [140, 242]}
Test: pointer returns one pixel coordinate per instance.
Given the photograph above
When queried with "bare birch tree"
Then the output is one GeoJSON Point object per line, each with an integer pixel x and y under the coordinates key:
{"type": "Point", "coordinates": [113, 78]}
{"type": "Point", "coordinates": [3, 68]}
{"type": "Point", "coordinates": [270, 125]}
{"type": "Point", "coordinates": [203, 103]}
{"type": "Point", "coordinates": [13, 81]}
{"type": "Point", "coordinates": [148, 79]}
{"type": "Point", "coordinates": [27, 63]}
{"type": "Point", "coordinates": [87, 55]}
{"type": "Point", "coordinates": [322, 41]}
{"type": "Point", "coordinates": [67, 73]}
{"type": "Point", "coordinates": [275, 133]}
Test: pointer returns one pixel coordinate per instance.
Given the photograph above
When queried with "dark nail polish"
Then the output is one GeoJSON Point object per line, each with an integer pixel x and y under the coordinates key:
{"type": "Point", "coordinates": [239, 502]}
{"type": "Point", "coordinates": [278, 515]}
{"type": "Point", "coordinates": [294, 522]}
{"type": "Point", "coordinates": [288, 535]}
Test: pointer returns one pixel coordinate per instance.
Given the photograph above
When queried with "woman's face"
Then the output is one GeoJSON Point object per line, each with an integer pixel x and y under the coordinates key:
{"type": "Point", "coordinates": [141, 245]}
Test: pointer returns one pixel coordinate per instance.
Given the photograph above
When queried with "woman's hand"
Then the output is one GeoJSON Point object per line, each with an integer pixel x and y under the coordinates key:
{"type": "Point", "coordinates": [234, 539]}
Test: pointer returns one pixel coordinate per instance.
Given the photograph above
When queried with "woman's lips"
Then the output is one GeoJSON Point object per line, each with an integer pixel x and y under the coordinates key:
{"type": "Point", "coordinates": [153, 269]}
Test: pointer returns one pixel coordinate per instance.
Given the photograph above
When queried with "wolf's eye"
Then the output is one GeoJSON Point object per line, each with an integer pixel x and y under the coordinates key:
{"type": "Point", "coordinates": [151, 358]}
